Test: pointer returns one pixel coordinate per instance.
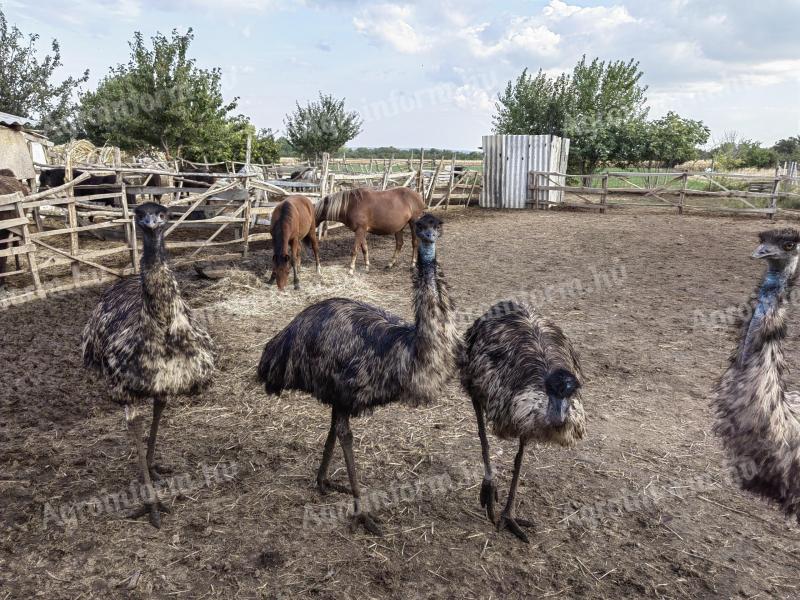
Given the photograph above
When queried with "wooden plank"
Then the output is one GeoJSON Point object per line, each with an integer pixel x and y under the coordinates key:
{"type": "Point", "coordinates": [16, 222]}
{"type": "Point", "coordinates": [16, 250]}
{"type": "Point", "coordinates": [76, 258]}
{"type": "Point", "coordinates": [196, 203]}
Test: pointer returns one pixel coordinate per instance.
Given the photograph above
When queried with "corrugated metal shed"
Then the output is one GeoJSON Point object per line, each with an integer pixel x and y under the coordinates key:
{"type": "Point", "coordinates": [507, 161]}
{"type": "Point", "coordinates": [11, 120]}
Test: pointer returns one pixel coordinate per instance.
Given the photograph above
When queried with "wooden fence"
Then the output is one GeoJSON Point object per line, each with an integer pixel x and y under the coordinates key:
{"type": "Point", "coordinates": [59, 241]}
{"type": "Point", "coordinates": [682, 191]}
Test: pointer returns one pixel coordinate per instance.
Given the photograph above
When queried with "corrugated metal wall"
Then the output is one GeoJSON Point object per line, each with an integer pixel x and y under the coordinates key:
{"type": "Point", "coordinates": [507, 161]}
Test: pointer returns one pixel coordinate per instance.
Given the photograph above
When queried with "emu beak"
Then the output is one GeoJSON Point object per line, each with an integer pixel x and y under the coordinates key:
{"type": "Point", "coordinates": [149, 221]}
{"type": "Point", "coordinates": [559, 409]}
{"type": "Point", "coordinates": [763, 251]}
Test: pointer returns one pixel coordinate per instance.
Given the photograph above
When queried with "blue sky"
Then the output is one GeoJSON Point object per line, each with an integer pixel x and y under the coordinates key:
{"type": "Point", "coordinates": [427, 73]}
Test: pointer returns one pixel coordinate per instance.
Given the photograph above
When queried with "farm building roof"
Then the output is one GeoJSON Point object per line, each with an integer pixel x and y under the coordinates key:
{"type": "Point", "coordinates": [8, 119]}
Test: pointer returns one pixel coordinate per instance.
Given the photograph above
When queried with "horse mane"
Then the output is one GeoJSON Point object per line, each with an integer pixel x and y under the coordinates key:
{"type": "Point", "coordinates": [338, 204]}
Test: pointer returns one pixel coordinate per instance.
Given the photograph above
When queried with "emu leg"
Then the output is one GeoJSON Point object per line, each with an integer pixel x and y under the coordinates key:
{"type": "Point", "coordinates": [398, 246]}
{"type": "Point", "coordinates": [322, 473]}
{"type": "Point", "coordinates": [152, 506]}
{"type": "Point", "coordinates": [507, 518]}
{"type": "Point", "coordinates": [155, 470]}
{"type": "Point", "coordinates": [489, 487]}
{"type": "Point", "coordinates": [360, 517]}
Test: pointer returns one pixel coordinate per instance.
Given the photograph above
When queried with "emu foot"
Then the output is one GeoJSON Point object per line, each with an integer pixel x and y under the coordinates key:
{"type": "Point", "coordinates": [514, 525]}
{"type": "Point", "coordinates": [157, 472]}
{"type": "Point", "coordinates": [368, 522]}
{"type": "Point", "coordinates": [489, 497]}
{"type": "Point", "coordinates": [325, 486]}
{"type": "Point", "coordinates": [153, 510]}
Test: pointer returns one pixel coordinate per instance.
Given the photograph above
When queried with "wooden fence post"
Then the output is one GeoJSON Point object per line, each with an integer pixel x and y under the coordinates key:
{"type": "Point", "coordinates": [247, 216]}
{"type": "Point", "coordinates": [773, 200]}
{"type": "Point", "coordinates": [684, 182]}
{"type": "Point", "coordinates": [604, 195]}
{"type": "Point", "coordinates": [72, 220]}
{"type": "Point", "coordinates": [432, 185]}
{"type": "Point", "coordinates": [421, 176]}
{"type": "Point", "coordinates": [30, 255]}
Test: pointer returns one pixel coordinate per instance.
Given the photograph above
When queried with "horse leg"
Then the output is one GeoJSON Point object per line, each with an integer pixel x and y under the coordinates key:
{"type": "Point", "coordinates": [360, 235]}
{"type": "Point", "coordinates": [312, 238]}
{"type": "Point", "coordinates": [296, 262]}
{"type": "Point", "coordinates": [398, 246]}
{"type": "Point", "coordinates": [365, 250]}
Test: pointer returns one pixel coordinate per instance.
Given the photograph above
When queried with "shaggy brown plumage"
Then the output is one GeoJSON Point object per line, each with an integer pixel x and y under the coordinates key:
{"type": "Point", "coordinates": [356, 357]}
{"type": "Point", "coordinates": [523, 376]}
{"type": "Point", "coordinates": [144, 340]}
{"type": "Point", "coordinates": [757, 419]}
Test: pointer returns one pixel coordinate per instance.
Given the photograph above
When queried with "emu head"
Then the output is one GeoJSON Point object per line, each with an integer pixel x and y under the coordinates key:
{"type": "Point", "coordinates": [560, 386]}
{"type": "Point", "coordinates": [780, 247]}
{"type": "Point", "coordinates": [150, 217]}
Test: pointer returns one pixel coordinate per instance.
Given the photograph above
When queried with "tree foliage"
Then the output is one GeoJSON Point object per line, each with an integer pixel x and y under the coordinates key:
{"type": "Point", "coordinates": [160, 98]}
{"type": "Point", "coordinates": [601, 106]}
{"type": "Point", "coordinates": [27, 84]}
{"type": "Point", "coordinates": [323, 126]}
{"type": "Point", "coordinates": [788, 148]}
{"type": "Point", "coordinates": [735, 152]}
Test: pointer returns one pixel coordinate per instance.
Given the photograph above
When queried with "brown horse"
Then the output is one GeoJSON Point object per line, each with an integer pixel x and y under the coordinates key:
{"type": "Point", "coordinates": [292, 222]}
{"type": "Point", "coordinates": [370, 211]}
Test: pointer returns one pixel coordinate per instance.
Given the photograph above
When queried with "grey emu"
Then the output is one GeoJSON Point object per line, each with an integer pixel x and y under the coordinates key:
{"type": "Point", "coordinates": [355, 357]}
{"type": "Point", "coordinates": [757, 419]}
{"type": "Point", "coordinates": [146, 343]}
{"type": "Point", "coordinates": [522, 373]}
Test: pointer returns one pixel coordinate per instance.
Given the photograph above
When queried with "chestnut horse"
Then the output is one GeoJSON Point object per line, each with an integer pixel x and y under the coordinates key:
{"type": "Point", "coordinates": [292, 223]}
{"type": "Point", "coordinates": [369, 211]}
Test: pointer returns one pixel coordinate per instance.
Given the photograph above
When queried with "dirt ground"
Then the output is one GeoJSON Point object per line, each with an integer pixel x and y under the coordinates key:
{"type": "Point", "coordinates": [643, 507]}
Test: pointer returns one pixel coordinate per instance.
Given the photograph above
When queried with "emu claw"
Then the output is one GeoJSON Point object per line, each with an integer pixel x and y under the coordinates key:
{"type": "Point", "coordinates": [489, 497]}
{"type": "Point", "coordinates": [153, 511]}
{"type": "Point", "coordinates": [507, 521]}
{"type": "Point", "coordinates": [157, 471]}
{"type": "Point", "coordinates": [368, 522]}
{"type": "Point", "coordinates": [325, 486]}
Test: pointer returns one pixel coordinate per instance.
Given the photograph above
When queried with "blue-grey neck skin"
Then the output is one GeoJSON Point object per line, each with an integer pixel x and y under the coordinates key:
{"type": "Point", "coordinates": [153, 251]}
{"type": "Point", "coordinates": [774, 284]}
{"type": "Point", "coordinates": [427, 252]}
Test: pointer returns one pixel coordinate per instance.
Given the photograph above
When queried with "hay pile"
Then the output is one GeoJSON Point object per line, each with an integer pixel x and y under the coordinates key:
{"type": "Point", "coordinates": [243, 293]}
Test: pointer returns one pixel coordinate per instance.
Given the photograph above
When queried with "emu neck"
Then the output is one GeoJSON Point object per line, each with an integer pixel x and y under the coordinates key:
{"type": "Point", "coordinates": [159, 288]}
{"type": "Point", "coordinates": [767, 319]}
{"type": "Point", "coordinates": [431, 303]}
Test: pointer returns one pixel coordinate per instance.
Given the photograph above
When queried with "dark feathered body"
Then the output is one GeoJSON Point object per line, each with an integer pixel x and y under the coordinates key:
{"type": "Point", "coordinates": [356, 356]}
{"type": "Point", "coordinates": [144, 340]}
{"type": "Point", "coordinates": [507, 354]}
{"type": "Point", "coordinates": [756, 418]}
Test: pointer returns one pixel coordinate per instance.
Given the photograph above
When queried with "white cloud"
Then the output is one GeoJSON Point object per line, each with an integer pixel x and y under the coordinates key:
{"type": "Point", "coordinates": [523, 34]}
{"type": "Point", "coordinates": [389, 24]}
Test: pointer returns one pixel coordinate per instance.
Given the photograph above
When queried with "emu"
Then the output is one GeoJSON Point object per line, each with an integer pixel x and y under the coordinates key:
{"type": "Point", "coordinates": [356, 357]}
{"type": "Point", "coordinates": [524, 376]}
{"type": "Point", "coordinates": [147, 344]}
{"type": "Point", "coordinates": [757, 419]}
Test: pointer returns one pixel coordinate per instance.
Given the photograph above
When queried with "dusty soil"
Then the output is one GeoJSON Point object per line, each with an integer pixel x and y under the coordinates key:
{"type": "Point", "coordinates": [642, 508]}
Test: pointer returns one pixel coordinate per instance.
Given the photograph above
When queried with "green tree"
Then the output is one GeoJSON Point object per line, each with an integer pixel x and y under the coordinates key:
{"type": "Point", "coordinates": [160, 98]}
{"type": "Point", "coordinates": [264, 148]}
{"type": "Point", "coordinates": [593, 106]}
{"type": "Point", "coordinates": [323, 126]}
{"type": "Point", "coordinates": [673, 140]}
{"type": "Point", "coordinates": [27, 84]}
{"type": "Point", "coordinates": [788, 148]}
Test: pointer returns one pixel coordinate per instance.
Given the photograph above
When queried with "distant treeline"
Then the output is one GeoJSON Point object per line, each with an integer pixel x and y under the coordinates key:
{"type": "Point", "coordinates": [388, 151]}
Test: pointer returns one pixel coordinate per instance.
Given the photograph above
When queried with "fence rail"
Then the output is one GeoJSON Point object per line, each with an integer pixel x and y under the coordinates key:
{"type": "Point", "coordinates": [61, 241]}
{"type": "Point", "coordinates": [679, 190]}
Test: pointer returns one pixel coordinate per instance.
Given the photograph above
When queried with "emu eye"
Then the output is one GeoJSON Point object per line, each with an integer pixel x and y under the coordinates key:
{"type": "Point", "coordinates": [789, 246]}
